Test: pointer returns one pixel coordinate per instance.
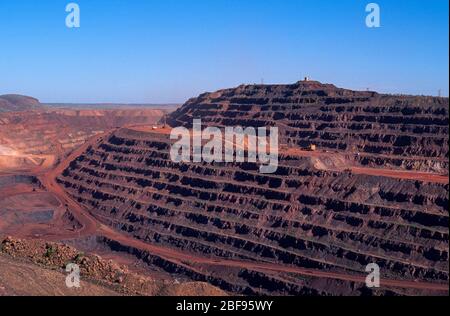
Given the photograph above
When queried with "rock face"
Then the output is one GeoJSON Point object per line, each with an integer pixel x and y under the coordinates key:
{"type": "Point", "coordinates": [389, 131]}
{"type": "Point", "coordinates": [41, 132]}
{"type": "Point", "coordinates": [15, 102]}
{"type": "Point", "coordinates": [40, 137]}
{"type": "Point", "coordinates": [313, 213]}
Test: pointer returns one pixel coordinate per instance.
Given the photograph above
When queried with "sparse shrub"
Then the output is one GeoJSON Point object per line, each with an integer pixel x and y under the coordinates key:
{"type": "Point", "coordinates": [50, 250]}
{"type": "Point", "coordinates": [79, 256]}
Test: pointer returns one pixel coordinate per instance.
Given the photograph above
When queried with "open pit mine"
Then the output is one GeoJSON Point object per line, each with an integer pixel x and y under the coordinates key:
{"type": "Point", "coordinates": [362, 178]}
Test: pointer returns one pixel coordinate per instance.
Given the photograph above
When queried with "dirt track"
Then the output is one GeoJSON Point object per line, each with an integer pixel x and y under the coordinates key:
{"type": "Point", "coordinates": [92, 226]}
{"type": "Point", "coordinates": [179, 257]}
{"type": "Point", "coordinates": [406, 175]}
{"type": "Point", "coordinates": [390, 173]}
{"type": "Point", "coordinates": [48, 180]}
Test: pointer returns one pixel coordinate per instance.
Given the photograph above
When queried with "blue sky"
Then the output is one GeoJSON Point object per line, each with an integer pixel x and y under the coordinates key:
{"type": "Point", "coordinates": [170, 50]}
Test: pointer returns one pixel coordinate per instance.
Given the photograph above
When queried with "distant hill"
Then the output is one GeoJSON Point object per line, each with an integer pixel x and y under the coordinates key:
{"type": "Point", "coordinates": [15, 102]}
{"type": "Point", "coordinates": [107, 106]}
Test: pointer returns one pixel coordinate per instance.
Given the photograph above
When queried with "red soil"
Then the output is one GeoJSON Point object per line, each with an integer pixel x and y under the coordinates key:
{"type": "Point", "coordinates": [91, 226]}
